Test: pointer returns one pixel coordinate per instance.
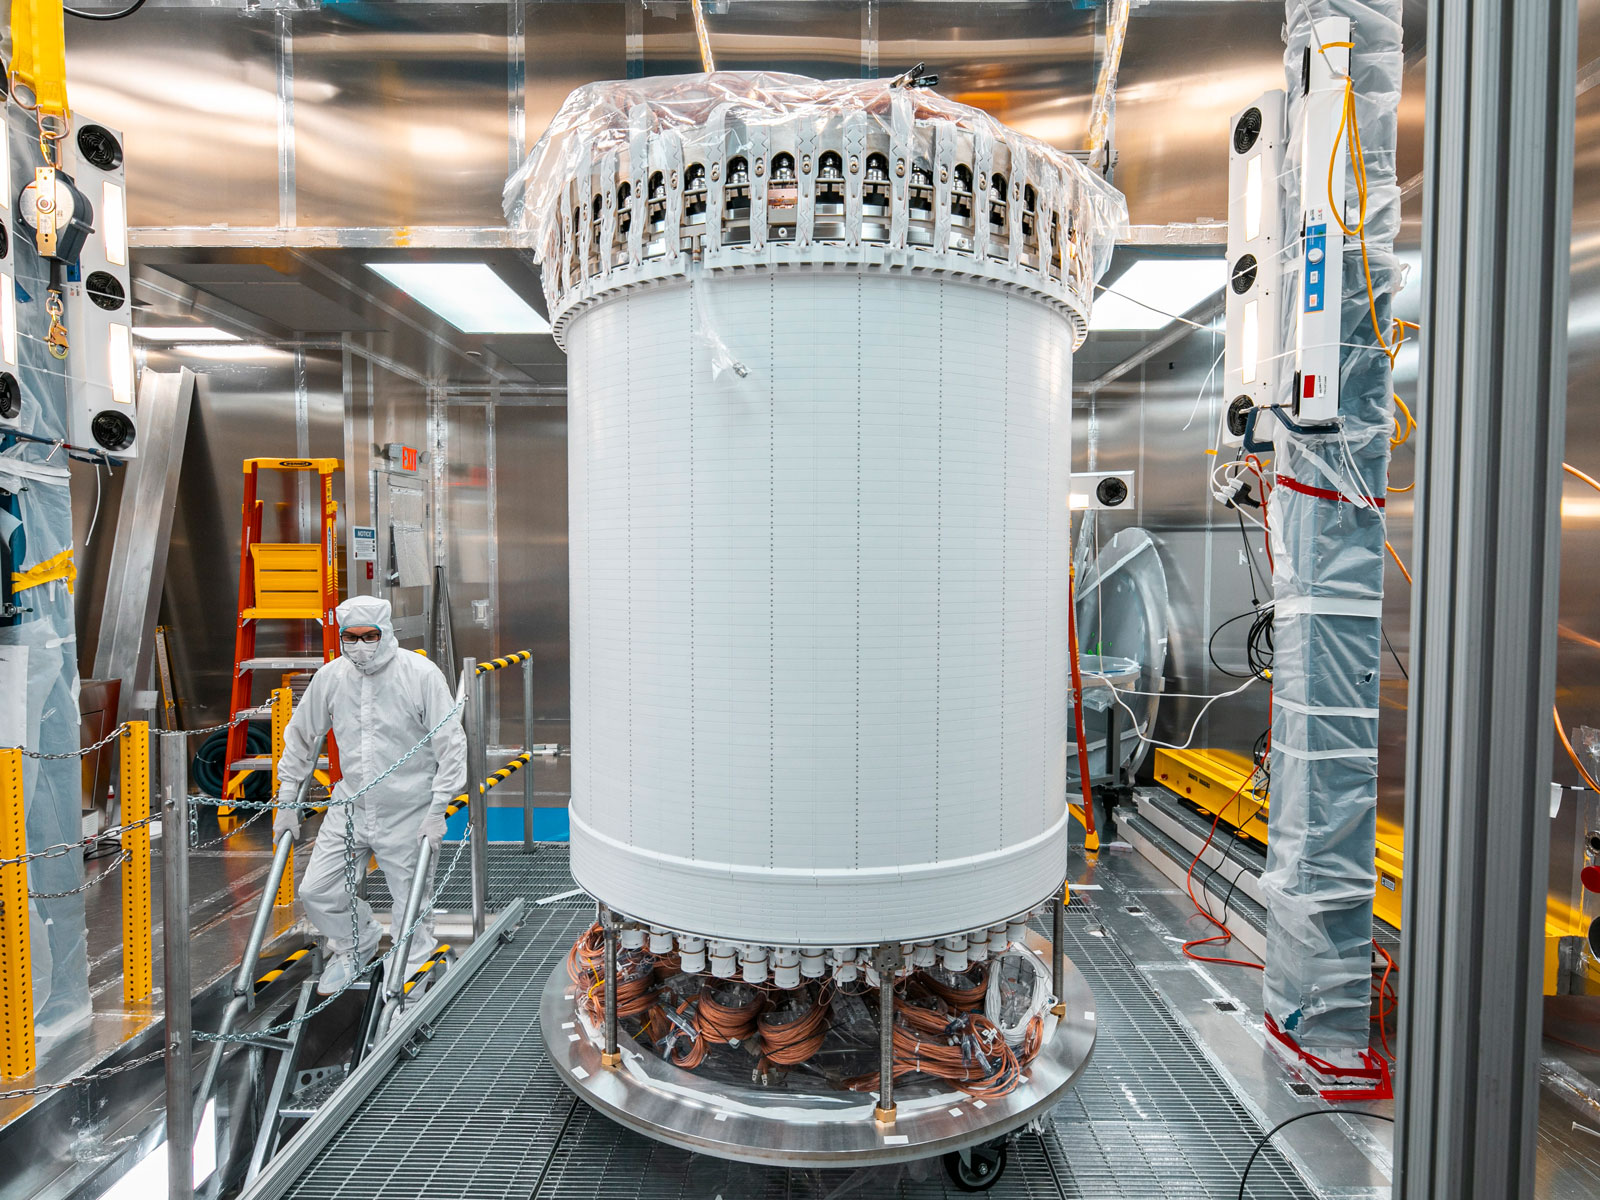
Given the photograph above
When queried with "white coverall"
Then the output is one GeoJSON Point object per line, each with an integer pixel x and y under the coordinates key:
{"type": "Point", "coordinates": [377, 711]}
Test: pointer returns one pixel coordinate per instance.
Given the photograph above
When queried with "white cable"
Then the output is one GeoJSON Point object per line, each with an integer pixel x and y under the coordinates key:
{"type": "Point", "coordinates": [1193, 729]}
{"type": "Point", "coordinates": [1201, 394]}
{"type": "Point", "coordinates": [1038, 1002]}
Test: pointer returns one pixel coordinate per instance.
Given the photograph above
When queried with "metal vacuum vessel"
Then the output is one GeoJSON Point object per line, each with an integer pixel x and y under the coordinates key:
{"type": "Point", "coordinates": [819, 342]}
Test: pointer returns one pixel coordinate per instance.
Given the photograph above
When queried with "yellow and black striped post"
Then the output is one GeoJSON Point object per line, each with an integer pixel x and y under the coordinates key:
{"type": "Point", "coordinates": [282, 710]}
{"type": "Point", "coordinates": [135, 797]}
{"type": "Point", "coordinates": [500, 664]}
{"type": "Point", "coordinates": [16, 964]}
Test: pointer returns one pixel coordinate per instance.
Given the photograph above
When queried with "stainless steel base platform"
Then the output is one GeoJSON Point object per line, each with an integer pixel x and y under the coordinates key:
{"type": "Point", "coordinates": [749, 1123]}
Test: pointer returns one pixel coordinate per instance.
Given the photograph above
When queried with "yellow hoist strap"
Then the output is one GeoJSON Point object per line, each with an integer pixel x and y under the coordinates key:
{"type": "Point", "coordinates": [50, 570]}
{"type": "Point", "coordinates": [39, 54]}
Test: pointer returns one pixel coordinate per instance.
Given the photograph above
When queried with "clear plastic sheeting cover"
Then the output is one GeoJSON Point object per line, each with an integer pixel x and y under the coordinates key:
{"type": "Point", "coordinates": [1122, 615]}
{"type": "Point", "coordinates": [1327, 526]}
{"type": "Point", "coordinates": [601, 118]}
{"type": "Point", "coordinates": [39, 645]}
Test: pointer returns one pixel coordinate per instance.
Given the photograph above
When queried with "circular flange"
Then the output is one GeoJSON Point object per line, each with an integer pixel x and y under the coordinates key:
{"type": "Point", "coordinates": [825, 1129]}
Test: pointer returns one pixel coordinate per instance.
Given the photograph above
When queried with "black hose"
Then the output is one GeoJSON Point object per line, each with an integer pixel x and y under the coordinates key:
{"type": "Point", "coordinates": [210, 763]}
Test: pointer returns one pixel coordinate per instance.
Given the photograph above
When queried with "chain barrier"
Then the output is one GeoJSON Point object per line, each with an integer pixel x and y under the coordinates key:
{"type": "Point", "coordinates": [106, 873]}
{"type": "Point", "coordinates": [45, 1089]}
{"type": "Point", "coordinates": [122, 730]}
{"type": "Point", "coordinates": [114, 833]}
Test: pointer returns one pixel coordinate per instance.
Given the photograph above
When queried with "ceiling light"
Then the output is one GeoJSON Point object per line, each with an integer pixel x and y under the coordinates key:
{"type": "Point", "coordinates": [183, 333]}
{"type": "Point", "coordinates": [470, 295]}
{"type": "Point", "coordinates": [1153, 292]}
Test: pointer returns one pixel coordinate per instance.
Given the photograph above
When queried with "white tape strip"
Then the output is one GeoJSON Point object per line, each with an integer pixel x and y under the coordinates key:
{"type": "Point", "coordinates": [1321, 755]}
{"type": "Point", "coordinates": [1328, 606]}
{"type": "Point", "coordinates": [1324, 710]}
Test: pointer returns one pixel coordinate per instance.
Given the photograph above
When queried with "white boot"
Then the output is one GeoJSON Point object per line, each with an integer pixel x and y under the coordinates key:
{"type": "Point", "coordinates": [340, 973]}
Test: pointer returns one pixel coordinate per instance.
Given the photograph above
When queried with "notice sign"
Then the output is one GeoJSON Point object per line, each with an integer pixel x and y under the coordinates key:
{"type": "Point", "coordinates": [365, 541]}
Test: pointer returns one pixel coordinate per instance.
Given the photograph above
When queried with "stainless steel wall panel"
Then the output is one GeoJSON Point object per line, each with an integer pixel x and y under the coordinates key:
{"type": "Point", "coordinates": [400, 114]}
{"type": "Point", "coordinates": [531, 521]}
{"type": "Point", "coordinates": [567, 46]}
{"type": "Point", "coordinates": [195, 93]}
{"type": "Point", "coordinates": [469, 541]}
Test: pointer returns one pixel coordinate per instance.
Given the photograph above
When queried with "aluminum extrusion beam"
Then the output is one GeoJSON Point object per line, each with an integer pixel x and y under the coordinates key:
{"type": "Point", "coordinates": [1497, 222]}
{"type": "Point", "coordinates": [144, 529]}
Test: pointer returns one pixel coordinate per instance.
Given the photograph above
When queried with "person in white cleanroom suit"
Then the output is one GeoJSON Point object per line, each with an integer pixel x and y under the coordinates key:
{"type": "Point", "coordinates": [379, 701]}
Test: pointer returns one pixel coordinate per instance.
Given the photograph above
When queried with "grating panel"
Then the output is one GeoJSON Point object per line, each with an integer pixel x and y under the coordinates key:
{"type": "Point", "coordinates": [512, 873]}
{"type": "Point", "coordinates": [480, 1114]}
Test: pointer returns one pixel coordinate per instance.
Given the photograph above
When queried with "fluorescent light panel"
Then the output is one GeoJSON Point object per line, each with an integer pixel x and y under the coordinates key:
{"type": "Point", "coordinates": [8, 318]}
{"type": "Point", "coordinates": [470, 295]}
{"type": "Point", "coordinates": [1150, 293]}
{"type": "Point", "coordinates": [114, 219]}
{"type": "Point", "coordinates": [120, 347]}
{"type": "Point", "coordinates": [183, 333]}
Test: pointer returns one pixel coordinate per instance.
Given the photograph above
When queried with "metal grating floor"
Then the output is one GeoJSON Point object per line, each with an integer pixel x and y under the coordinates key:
{"type": "Point", "coordinates": [480, 1115]}
{"type": "Point", "coordinates": [512, 873]}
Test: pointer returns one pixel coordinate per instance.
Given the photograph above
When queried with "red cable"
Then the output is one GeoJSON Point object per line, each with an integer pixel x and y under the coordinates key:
{"type": "Point", "coordinates": [1226, 934]}
{"type": "Point", "coordinates": [1077, 707]}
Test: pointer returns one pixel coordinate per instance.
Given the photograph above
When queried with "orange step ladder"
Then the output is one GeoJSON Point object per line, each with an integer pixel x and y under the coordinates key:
{"type": "Point", "coordinates": [280, 581]}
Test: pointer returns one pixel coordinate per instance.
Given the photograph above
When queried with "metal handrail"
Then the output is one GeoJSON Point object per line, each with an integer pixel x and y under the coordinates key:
{"type": "Point", "coordinates": [244, 992]}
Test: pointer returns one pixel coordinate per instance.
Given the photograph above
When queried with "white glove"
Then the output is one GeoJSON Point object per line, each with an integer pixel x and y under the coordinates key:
{"type": "Point", "coordinates": [433, 830]}
{"type": "Point", "coordinates": [285, 820]}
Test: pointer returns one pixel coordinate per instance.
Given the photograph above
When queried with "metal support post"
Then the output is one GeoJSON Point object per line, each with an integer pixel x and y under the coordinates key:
{"type": "Point", "coordinates": [1497, 229]}
{"type": "Point", "coordinates": [527, 745]}
{"type": "Point", "coordinates": [612, 1056]}
{"type": "Point", "coordinates": [887, 961]}
{"type": "Point", "coordinates": [16, 961]}
{"type": "Point", "coordinates": [477, 796]}
{"type": "Point", "coordinates": [134, 795]}
{"type": "Point", "coordinates": [1058, 950]}
{"type": "Point", "coordinates": [175, 964]}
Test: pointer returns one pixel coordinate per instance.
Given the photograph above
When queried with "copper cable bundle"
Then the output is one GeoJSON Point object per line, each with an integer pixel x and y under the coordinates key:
{"type": "Point", "coordinates": [790, 1042]}
{"type": "Point", "coordinates": [962, 999]}
{"type": "Point", "coordinates": [965, 1050]}
{"type": "Point", "coordinates": [716, 1023]}
{"type": "Point", "coordinates": [636, 993]}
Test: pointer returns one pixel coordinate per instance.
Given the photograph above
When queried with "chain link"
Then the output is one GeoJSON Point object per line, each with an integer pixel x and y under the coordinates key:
{"type": "Point", "coordinates": [240, 719]}
{"type": "Point", "coordinates": [217, 841]}
{"type": "Point", "coordinates": [91, 1077]}
{"type": "Point", "coordinates": [112, 834]}
{"type": "Point", "coordinates": [84, 753]}
{"type": "Point", "coordinates": [122, 729]}
{"type": "Point", "coordinates": [122, 857]}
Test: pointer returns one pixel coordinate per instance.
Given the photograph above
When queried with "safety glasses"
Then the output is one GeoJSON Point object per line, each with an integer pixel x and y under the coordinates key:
{"type": "Point", "coordinates": [371, 636]}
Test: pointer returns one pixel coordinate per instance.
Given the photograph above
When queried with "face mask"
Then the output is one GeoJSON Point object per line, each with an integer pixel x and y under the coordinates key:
{"type": "Point", "coordinates": [361, 653]}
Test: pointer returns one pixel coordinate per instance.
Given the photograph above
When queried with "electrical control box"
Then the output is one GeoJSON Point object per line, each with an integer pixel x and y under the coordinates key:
{"type": "Point", "coordinates": [1319, 288]}
{"type": "Point", "coordinates": [1255, 368]}
{"type": "Point", "coordinates": [98, 297]}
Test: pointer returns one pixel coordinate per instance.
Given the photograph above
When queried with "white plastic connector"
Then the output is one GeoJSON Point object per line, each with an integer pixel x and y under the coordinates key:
{"type": "Point", "coordinates": [786, 968]}
{"type": "Point", "coordinates": [660, 942]}
{"type": "Point", "coordinates": [632, 937]}
{"type": "Point", "coordinates": [953, 953]}
{"type": "Point", "coordinates": [753, 963]}
{"type": "Point", "coordinates": [813, 963]}
{"type": "Point", "coordinates": [1017, 932]}
{"type": "Point", "coordinates": [724, 960]}
{"type": "Point", "coordinates": [692, 955]}
{"type": "Point", "coordinates": [978, 945]}
{"type": "Point", "coordinates": [922, 954]}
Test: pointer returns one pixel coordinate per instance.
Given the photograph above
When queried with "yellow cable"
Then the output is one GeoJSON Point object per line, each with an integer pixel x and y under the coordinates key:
{"type": "Point", "coordinates": [1389, 546]}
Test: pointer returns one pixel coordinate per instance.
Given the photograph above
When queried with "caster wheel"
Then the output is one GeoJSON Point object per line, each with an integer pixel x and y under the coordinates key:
{"type": "Point", "coordinates": [977, 1169]}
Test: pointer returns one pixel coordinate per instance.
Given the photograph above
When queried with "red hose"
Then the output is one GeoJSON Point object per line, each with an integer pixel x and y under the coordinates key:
{"type": "Point", "coordinates": [1077, 711]}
